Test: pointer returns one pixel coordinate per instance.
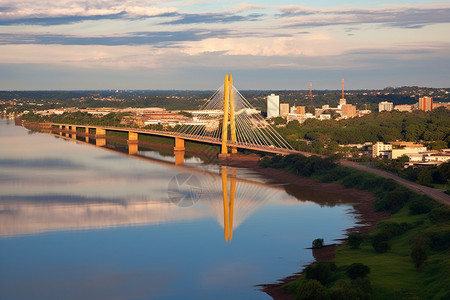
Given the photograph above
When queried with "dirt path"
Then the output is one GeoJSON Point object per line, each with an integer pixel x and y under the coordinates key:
{"type": "Point", "coordinates": [436, 194]}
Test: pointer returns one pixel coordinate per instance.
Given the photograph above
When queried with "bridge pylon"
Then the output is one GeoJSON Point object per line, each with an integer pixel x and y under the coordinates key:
{"type": "Point", "coordinates": [228, 115]}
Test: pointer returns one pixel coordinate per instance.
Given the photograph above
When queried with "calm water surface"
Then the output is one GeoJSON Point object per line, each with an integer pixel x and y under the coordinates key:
{"type": "Point", "coordinates": [83, 222]}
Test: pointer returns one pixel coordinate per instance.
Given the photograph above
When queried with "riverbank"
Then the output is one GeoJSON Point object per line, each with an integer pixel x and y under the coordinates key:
{"type": "Point", "coordinates": [405, 252]}
{"type": "Point", "coordinates": [363, 206]}
{"type": "Point", "coordinates": [367, 217]}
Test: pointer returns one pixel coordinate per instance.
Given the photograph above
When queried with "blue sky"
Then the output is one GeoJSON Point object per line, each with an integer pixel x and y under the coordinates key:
{"type": "Point", "coordinates": [172, 44]}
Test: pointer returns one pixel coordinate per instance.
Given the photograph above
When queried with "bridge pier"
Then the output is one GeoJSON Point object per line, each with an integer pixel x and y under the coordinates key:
{"type": "Point", "coordinates": [179, 157]}
{"type": "Point", "coordinates": [179, 144]}
{"type": "Point", "coordinates": [73, 128]}
{"type": "Point", "coordinates": [86, 131]}
{"type": "Point", "coordinates": [133, 143]}
{"type": "Point", "coordinates": [100, 137]}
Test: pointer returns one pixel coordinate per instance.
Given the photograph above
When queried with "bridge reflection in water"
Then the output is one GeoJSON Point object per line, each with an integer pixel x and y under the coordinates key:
{"type": "Point", "coordinates": [219, 193]}
{"type": "Point", "coordinates": [47, 213]}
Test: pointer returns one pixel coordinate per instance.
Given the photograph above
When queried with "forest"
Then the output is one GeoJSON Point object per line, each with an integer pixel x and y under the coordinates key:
{"type": "Point", "coordinates": [428, 127]}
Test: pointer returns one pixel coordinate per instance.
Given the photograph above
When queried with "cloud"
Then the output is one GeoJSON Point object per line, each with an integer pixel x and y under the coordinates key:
{"type": "Point", "coordinates": [212, 18]}
{"type": "Point", "coordinates": [134, 38]}
{"type": "Point", "coordinates": [66, 12]}
{"type": "Point", "coordinates": [406, 17]}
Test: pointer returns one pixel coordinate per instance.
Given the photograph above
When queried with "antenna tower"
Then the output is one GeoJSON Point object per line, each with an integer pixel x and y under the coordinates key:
{"type": "Point", "coordinates": [310, 93]}
{"type": "Point", "coordinates": [343, 87]}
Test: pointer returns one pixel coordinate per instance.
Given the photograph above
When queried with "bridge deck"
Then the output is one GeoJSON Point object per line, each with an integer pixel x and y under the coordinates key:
{"type": "Point", "coordinates": [207, 140]}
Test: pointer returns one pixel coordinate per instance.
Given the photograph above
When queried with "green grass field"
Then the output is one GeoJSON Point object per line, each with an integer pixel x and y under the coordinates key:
{"type": "Point", "coordinates": [393, 274]}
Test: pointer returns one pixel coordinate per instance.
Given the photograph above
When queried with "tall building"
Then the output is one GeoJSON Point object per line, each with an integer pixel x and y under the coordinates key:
{"type": "Point", "coordinates": [301, 110]}
{"type": "Point", "coordinates": [273, 106]}
{"type": "Point", "coordinates": [284, 109]}
{"type": "Point", "coordinates": [426, 103]}
{"type": "Point", "coordinates": [342, 101]}
{"type": "Point", "coordinates": [348, 111]}
{"type": "Point", "coordinates": [385, 106]}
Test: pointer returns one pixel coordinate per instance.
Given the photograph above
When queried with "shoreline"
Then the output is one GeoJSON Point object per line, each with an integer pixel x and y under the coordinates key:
{"type": "Point", "coordinates": [367, 218]}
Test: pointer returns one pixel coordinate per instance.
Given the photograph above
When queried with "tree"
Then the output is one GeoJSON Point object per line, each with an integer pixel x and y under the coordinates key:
{"type": "Point", "coordinates": [311, 290]}
{"type": "Point", "coordinates": [354, 240]}
{"type": "Point", "coordinates": [419, 251]}
{"type": "Point", "coordinates": [357, 270]}
{"type": "Point", "coordinates": [279, 120]}
{"type": "Point", "coordinates": [320, 271]}
{"type": "Point", "coordinates": [317, 243]}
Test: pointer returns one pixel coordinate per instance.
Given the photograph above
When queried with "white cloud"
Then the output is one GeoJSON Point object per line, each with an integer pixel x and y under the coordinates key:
{"type": "Point", "coordinates": [67, 8]}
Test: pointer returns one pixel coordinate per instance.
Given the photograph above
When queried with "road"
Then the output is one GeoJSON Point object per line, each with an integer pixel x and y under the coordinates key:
{"type": "Point", "coordinates": [436, 194]}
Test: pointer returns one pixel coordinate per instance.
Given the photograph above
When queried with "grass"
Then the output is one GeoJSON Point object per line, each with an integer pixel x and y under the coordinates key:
{"type": "Point", "coordinates": [392, 274]}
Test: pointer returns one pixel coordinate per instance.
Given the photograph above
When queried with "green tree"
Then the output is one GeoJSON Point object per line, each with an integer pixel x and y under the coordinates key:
{"type": "Point", "coordinates": [311, 290]}
{"type": "Point", "coordinates": [357, 270]}
{"type": "Point", "coordinates": [317, 243]}
{"type": "Point", "coordinates": [354, 240]}
{"type": "Point", "coordinates": [419, 250]}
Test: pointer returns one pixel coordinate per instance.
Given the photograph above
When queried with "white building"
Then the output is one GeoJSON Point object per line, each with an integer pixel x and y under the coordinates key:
{"type": "Point", "coordinates": [300, 117]}
{"type": "Point", "coordinates": [381, 150]}
{"type": "Point", "coordinates": [273, 106]}
{"type": "Point", "coordinates": [385, 106]}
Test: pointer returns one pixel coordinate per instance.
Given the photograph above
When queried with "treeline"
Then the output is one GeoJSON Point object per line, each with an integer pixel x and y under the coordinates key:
{"type": "Point", "coordinates": [419, 229]}
{"type": "Point", "coordinates": [77, 118]}
{"type": "Point", "coordinates": [379, 126]}
{"type": "Point", "coordinates": [426, 175]}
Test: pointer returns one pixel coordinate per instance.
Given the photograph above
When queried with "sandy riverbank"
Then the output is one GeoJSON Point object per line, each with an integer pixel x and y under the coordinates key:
{"type": "Point", "coordinates": [366, 215]}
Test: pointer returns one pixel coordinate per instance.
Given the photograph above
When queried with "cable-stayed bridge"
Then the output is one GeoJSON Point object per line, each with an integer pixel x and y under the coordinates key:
{"type": "Point", "coordinates": [227, 119]}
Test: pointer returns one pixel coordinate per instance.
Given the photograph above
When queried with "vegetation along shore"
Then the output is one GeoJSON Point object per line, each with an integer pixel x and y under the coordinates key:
{"type": "Point", "coordinates": [399, 250]}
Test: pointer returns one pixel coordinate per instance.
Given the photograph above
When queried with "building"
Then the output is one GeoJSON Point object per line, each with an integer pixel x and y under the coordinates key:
{"type": "Point", "coordinates": [404, 107]}
{"type": "Point", "coordinates": [402, 148]}
{"type": "Point", "coordinates": [284, 109]}
{"type": "Point", "coordinates": [342, 101]}
{"type": "Point", "coordinates": [273, 106]}
{"type": "Point", "coordinates": [425, 103]}
{"type": "Point", "coordinates": [301, 110]}
{"type": "Point", "coordinates": [385, 106]}
{"type": "Point", "coordinates": [324, 117]}
{"type": "Point", "coordinates": [394, 150]}
{"type": "Point", "coordinates": [348, 111]}
{"type": "Point", "coordinates": [300, 117]}
{"type": "Point", "coordinates": [379, 149]}
{"type": "Point", "coordinates": [445, 104]}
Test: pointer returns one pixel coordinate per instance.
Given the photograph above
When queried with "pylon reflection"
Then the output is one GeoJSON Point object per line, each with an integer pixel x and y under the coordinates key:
{"type": "Point", "coordinates": [228, 204]}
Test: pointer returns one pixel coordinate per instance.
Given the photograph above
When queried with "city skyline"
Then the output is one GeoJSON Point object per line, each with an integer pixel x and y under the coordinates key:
{"type": "Point", "coordinates": [191, 44]}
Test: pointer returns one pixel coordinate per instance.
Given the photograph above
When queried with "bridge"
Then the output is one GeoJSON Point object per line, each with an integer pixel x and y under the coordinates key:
{"type": "Point", "coordinates": [228, 121]}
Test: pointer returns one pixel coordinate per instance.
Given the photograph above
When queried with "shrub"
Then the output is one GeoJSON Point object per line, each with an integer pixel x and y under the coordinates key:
{"type": "Point", "coordinates": [362, 284]}
{"type": "Point", "coordinates": [317, 243]}
{"type": "Point", "coordinates": [380, 242]}
{"type": "Point", "coordinates": [440, 214]}
{"type": "Point", "coordinates": [311, 290]}
{"type": "Point", "coordinates": [419, 250]}
{"type": "Point", "coordinates": [439, 239]}
{"type": "Point", "coordinates": [354, 240]}
{"type": "Point", "coordinates": [392, 201]}
{"type": "Point", "coordinates": [320, 271]}
{"type": "Point", "coordinates": [343, 290]}
{"type": "Point", "coordinates": [392, 229]}
{"type": "Point", "coordinates": [353, 180]}
{"type": "Point", "coordinates": [357, 270]}
{"type": "Point", "coordinates": [420, 205]}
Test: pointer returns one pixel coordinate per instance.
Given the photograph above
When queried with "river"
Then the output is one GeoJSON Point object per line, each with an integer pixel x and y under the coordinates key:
{"type": "Point", "coordinates": [83, 222]}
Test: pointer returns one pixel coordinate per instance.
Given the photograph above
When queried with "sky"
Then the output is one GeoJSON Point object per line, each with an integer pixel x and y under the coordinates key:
{"type": "Point", "coordinates": [192, 44]}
